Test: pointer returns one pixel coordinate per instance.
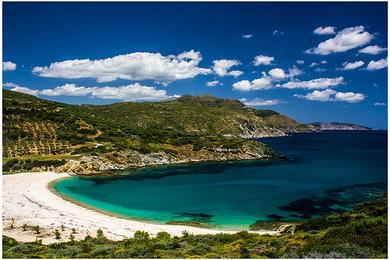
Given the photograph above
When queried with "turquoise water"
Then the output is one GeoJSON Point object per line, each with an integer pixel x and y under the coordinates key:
{"type": "Point", "coordinates": [326, 172]}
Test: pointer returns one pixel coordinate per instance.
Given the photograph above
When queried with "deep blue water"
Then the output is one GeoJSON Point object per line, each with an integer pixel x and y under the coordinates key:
{"type": "Point", "coordinates": [326, 172]}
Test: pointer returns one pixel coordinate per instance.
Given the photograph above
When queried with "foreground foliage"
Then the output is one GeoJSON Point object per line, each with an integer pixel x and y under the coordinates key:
{"type": "Point", "coordinates": [361, 233]}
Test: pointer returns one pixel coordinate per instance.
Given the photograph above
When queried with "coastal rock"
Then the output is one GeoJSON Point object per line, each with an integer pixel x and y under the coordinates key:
{"type": "Point", "coordinates": [127, 159]}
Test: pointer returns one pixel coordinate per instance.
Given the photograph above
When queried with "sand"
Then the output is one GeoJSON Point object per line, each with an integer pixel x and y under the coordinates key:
{"type": "Point", "coordinates": [27, 201]}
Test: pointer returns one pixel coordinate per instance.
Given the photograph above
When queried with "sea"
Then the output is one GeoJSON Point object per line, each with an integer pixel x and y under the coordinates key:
{"type": "Point", "coordinates": [325, 173]}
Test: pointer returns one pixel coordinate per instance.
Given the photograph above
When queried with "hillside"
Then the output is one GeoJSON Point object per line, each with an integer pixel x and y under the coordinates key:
{"type": "Point", "coordinates": [338, 126]}
{"type": "Point", "coordinates": [41, 133]}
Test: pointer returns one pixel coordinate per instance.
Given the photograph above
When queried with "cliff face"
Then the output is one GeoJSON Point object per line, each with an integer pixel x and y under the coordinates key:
{"type": "Point", "coordinates": [338, 126]}
{"type": "Point", "coordinates": [90, 138]}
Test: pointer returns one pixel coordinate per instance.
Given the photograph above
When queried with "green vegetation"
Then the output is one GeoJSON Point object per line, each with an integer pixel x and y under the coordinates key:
{"type": "Point", "coordinates": [361, 233]}
{"type": "Point", "coordinates": [33, 127]}
{"type": "Point", "coordinates": [27, 164]}
{"type": "Point", "coordinates": [57, 234]}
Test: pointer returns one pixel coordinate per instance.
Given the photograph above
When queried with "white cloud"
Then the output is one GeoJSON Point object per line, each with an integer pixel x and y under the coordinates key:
{"type": "Point", "coordinates": [317, 95]}
{"type": "Point", "coordinates": [277, 32]}
{"type": "Point", "coordinates": [133, 66]}
{"type": "Point", "coordinates": [262, 83]}
{"type": "Point", "coordinates": [322, 30]}
{"type": "Point", "coordinates": [17, 88]}
{"type": "Point", "coordinates": [263, 60]}
{"type": "Point", "coordinates": [377, 65]}
{"type": "Point", "coordinates": [379, 104]}
{"type": "Point", "coordinates": [277, 73]}
{"type": "Point", "coordinates": [235, 73]}
{"type": "Point", "coordinates": [319, 83]}
{"type": "Point", "coordinates": [324, 62]}
{"type": "Point", "coordinates": [300, 62]}
{"type": "Point", "coordinates": [349, 97]}
{"type": "Point", "coordinates": [247, 36]}
{"type": "Point", "coordinates": [267, 80]}
{"type": "Point", "coordinates": [67, 90]}
{"type": "Point", "coordinates": [294, 71]}
{"type": "Point", "coordinates": [352, 65]}
{"type": "Point", "coordinates": [132, 92]}
{"type": "Point", "coordinates": [242, 85]}
{"type": "Point", "coordinates": [221, 67]}
{"type": "Point", "coordinates": [332, 95]}
{"type": "Point", "coordinates": [260, 102]}
{"type": "Point", "coordinates": [213, 83]}
{"type": "Point", "coordinates": [372, 49]}
{"type": "Point", "coordinates": [319, 69]}
{"type": "Point", "coordinates": [8, 66]}
{"type": "Point", "coordinates": [313, 64]}
{"type": "Point", "coordinates": [347, 39]}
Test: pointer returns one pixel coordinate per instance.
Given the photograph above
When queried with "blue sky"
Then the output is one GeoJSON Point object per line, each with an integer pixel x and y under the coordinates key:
{"type": "Point", "coordinates": [310, 61]}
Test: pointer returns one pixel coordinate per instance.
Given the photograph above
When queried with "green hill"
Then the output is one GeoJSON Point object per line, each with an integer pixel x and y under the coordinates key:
{"type": "Point", "coordinates": [187, 128]}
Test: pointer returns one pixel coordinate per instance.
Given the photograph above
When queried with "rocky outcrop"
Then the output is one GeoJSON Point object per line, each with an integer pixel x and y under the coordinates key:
{"type": "Point", "coordinates": [107, 162]}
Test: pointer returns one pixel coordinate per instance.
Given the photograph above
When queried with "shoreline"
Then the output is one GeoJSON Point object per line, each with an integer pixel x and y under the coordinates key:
{"type": "Point", "coordinates": [28, 200]}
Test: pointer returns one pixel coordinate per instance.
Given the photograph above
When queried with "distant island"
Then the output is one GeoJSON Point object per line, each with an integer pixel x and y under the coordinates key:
{"type": "Point", "coordinates": [336, 126]}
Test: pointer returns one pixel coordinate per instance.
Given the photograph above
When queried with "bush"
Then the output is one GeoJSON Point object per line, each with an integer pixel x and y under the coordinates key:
{"type": "Point", "coordinates": [57, 234]}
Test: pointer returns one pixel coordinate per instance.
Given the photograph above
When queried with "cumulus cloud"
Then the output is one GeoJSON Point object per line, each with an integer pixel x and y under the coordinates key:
{"type": "Point", "coordinates": [347, 39]}
{"type": "Point", "coordinates": [379, 104]}
{"type": "Point", "coordinates": [322, 30]}
{"type": "Point", "coordinates": [67, 90]}
{"type": "Point", "coordinates": [267, 80]}
{"type": "Point", "coordinates": [300, 62]}
{"type": "Point", "coordinates": [262, 83]}
{"type": "Point", "coordinates": [317, 95]}
{"type": "Point", "coordinates": [260, 102]}
{"type": "Point", "coordinates": [213, 83]}
{"type": "Point", "coordinates": [313, 64]}
{"type": "Point", "coordinates": [352, 65]}
{"type": "Point", "coordinates": [332, 95]}
{"type": "Point", "coordinates": [133, 66]}
{"type": "Point", "coordinates": [349, 97]}
{"type": "Point", "coordinates": [377, 65]}
{"type": "Point", "coordinates": [277, 73]}
{"type": "Point", "coordinates": [222, 67]}
{"type": "Point", "coordinates": [372, 49]}
{"type": "Point", "coordinates": [242, 85]}
{"type": "Point", "coordinates": [17, 88]}
{"type": "Point", "coordinates": [132, 92]}
{"type": "Point", "coordinates": [263, 60]}
{"type": "Point", "coordinates": [247, 36]}
{"type": "Point", "coordinates": [8, 66]}
{"type": "Point", "coordinates": [320, 83]}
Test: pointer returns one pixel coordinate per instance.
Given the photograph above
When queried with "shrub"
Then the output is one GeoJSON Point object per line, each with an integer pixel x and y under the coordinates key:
{"type": "Point", "coordinates": [57, 234]}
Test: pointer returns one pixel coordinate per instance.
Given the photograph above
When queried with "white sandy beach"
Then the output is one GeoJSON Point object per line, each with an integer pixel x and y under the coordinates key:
{"type": "Point", "coordinates": [28, 200]}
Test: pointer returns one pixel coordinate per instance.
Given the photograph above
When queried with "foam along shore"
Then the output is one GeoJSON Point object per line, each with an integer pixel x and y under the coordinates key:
{"type": "Point", "coordinates": [28, 202]}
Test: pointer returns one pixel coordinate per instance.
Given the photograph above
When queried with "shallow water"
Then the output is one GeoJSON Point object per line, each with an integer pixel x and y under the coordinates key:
{"type": "Point", "coordinates": [327, 172]}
